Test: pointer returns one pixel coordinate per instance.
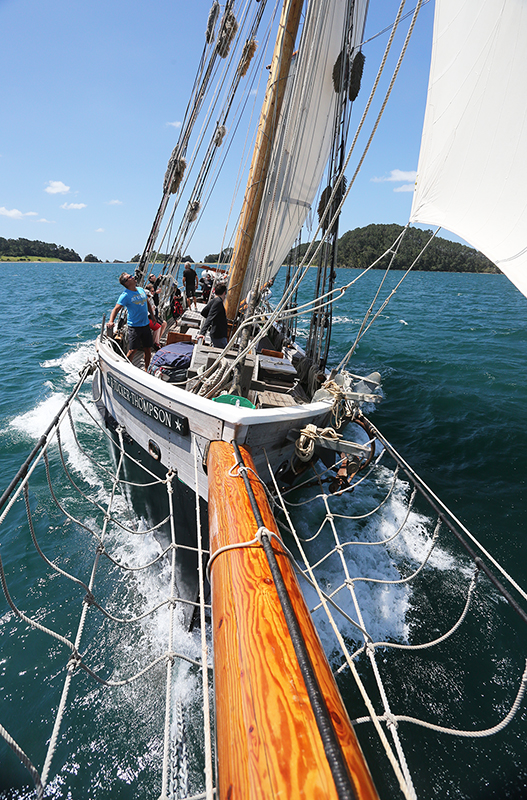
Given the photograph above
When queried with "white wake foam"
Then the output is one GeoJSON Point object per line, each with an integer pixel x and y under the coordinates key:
{"type": "Point", "coordinates": [72, 362]}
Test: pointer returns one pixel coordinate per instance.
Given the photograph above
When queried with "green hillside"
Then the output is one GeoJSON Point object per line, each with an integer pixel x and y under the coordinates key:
{"type": "Point", "coordinates": [361, 247]}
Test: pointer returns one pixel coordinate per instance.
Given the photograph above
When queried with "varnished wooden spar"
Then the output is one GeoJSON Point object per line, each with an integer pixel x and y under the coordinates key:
{"type": "Point", "coordinates": [268, 743]}
{"type": "Point", "coordinates": [276, 86]}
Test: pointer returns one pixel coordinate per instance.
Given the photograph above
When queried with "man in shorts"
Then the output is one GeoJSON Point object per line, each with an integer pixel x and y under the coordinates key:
{"type": "Point", "coordinates": [190, 277]}
{"type": "Point", "coordinates": [137, 305]}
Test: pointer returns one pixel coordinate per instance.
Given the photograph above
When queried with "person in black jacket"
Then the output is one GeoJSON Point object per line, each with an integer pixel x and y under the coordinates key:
{"type": "Point", "coordinates": [216, 318]}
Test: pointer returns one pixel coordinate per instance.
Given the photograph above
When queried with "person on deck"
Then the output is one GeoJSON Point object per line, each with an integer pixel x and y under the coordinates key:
{"type": "Point", "coordinates": [155, 290]}
{"type": "Point", "coordinates": [138, 306]}
{"type": "Point", "coordinates": [216, 318]}
{"type": "Point", "coordinates": [190, 277]}
{"type": "Point", "coordinates": [206, 286]}
{"type": "Point", "coordinates": [176, 302]}
{"type": "Point", "coordinates": [157, 326]}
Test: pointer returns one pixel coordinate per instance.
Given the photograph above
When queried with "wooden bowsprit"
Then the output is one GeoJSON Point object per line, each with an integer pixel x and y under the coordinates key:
{"type": "Point", "coordinates": [282, 730]}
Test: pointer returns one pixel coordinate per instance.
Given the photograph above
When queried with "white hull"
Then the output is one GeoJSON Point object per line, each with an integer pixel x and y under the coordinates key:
{"type": "Point", "coordinates": [154, 411]}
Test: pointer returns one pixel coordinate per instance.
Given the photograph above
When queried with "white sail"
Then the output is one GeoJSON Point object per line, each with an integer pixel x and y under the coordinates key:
{"type": "Point", "coordinates": [472, 173]}
{"type": "Point", "coordinates": [305, 133]}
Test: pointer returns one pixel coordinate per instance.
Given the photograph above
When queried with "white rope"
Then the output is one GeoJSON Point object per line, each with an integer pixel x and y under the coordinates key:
{"type": "Point", "coordinates": [319, 476]}
{"type": "Point", "coordinates": [469, 734]}
{"type": "Point", "coordinates": [371, 655]}
{"type": "Point", "coordinates": [170, 661]}
{"type": "Point", "coordinates": [433, 642]}
{"type": "Point", "coordinates": [453, 517]}
{"type": "Point", "coordinates": [406, 790]}
{"type": "Point", "coordinates": [331, 515]}
{"type": "Point", "coordinates": [378, 507]}
{"type": "Point", "coordinates": [209, 784]}
{"type": "Point", "coordinates": [256, 542]}
{"type": "Point", "coordinates": [75, 662]}
{"type": "Point", "coordinates": [413, 574]}
{"type": "Point", "coordinates": [305, 444]}
{"type": "Point", "coordinates": [47, 444]}
{"type": "Point", "coordinates": [80, 629]}
{"type": "Point", "coordinates": [25, 761]}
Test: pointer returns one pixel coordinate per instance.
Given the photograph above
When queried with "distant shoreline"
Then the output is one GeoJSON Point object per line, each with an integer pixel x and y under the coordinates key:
{"type": "Point", "coordinates": [42, 260]}
{"type": "Point", "coordinates": [38, 259]}
{"type": "Point", "coordinates": [204, 265]}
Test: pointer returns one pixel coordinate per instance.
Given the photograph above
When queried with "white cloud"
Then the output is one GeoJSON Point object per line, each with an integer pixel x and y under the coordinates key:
{"type": "Point", "coordinates": [114, 203]}
{"type": "Point", "coordinates": [14, 213]}
{"type": "Point", "coordinates": [68, 206]}
{"type": "Point", "coordinates": [397, 176]}
{"type": "Point", "coordinates": [99, 230]}
{"type": "Point", "coordinates": [57, 187]}
{"type": "Point", "coordinates": [49, 221]}
{"type": "Point", "coordinates": [407, 187]}
{"type": "Point", "coordinates": [174, 124]}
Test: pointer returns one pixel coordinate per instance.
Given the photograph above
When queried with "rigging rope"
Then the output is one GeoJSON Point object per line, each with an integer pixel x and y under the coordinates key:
{"type": "Point", "coordinates": [42, 457]}
{"type": "Point", "coordinates": [332, 747]}
{"type": "Point", "coordinates": [332, 601]}
{"type": "Point", "coordinates": [329, 600]}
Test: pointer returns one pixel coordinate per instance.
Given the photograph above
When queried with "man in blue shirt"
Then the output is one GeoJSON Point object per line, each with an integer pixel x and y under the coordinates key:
{"type": "Point", "coordinates": [137, 305]}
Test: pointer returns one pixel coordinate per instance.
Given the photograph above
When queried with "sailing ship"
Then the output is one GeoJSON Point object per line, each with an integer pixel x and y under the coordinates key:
{"type": "Point", "coordinates": [263, 405]}
{"type": "Point", "coordinates": [262, 386]}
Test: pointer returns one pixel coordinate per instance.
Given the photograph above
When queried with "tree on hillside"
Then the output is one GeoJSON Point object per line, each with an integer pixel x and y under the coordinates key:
{"type": "Point", "coordinates": [16, 248]}
{"type": "Point", "coordinates": [220, 258]}
{"type": "Point", "coordinates": [161, 258]}
{"type": "Point", "coordinates": [92, 259]}
{"type": "Point", "coordinates": [361, 247]}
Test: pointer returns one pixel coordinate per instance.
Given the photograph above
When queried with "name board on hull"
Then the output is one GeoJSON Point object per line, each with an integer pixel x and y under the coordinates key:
{"type": "Point", "coordinates": [171, 420]}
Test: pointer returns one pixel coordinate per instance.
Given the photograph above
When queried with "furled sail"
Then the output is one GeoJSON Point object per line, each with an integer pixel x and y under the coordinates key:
{"type": "Point", "coordinates": [304, 136]}
{"type": "Point", "coordinates": [472, 173]}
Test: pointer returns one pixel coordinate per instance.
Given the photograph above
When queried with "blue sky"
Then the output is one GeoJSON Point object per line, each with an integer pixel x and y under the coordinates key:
{"type": "Point", "coordinates": [91, 97]}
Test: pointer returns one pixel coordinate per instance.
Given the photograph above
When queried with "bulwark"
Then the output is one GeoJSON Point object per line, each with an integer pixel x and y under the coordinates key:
{"type": "Point", "coordinates": [175, 422]}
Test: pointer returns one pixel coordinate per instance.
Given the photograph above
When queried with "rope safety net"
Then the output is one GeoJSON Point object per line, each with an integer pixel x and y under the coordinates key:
{"type": "Point", "coordinates": [394, 596]}
{"type": "Point", "coordinates": [125, 636]}
{"type": "Point", "coordinates": [381, 593]}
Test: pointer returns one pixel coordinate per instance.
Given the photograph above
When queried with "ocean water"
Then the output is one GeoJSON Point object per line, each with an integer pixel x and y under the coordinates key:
{"type": "Point", "coordinates": [451, 350]}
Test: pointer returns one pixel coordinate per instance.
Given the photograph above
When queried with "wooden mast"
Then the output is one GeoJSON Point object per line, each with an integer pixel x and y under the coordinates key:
{"type": "Point", "coordinates": [271, 108]}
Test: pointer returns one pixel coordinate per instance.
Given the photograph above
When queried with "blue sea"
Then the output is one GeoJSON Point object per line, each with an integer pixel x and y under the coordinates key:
{"type": "Point", "coordinates": [452, 353]}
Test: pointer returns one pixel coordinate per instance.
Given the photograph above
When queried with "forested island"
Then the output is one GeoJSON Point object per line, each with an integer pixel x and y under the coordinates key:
{"type": "Point", "coordinates": [20, 249]}
{"type": "Point", "coordinates": [358, 248]}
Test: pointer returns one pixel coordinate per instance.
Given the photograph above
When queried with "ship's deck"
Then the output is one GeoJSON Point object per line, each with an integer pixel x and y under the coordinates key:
{"type": "Point", "coordinates": [268, 378]}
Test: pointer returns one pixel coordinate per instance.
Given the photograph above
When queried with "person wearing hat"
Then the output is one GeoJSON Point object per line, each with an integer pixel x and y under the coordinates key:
{"type": "Point", "coordinates": [137, 306]}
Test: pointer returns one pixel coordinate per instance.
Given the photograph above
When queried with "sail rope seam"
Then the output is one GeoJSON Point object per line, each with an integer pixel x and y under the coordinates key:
{"type": "Point", "coordinates": [308, 257]}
